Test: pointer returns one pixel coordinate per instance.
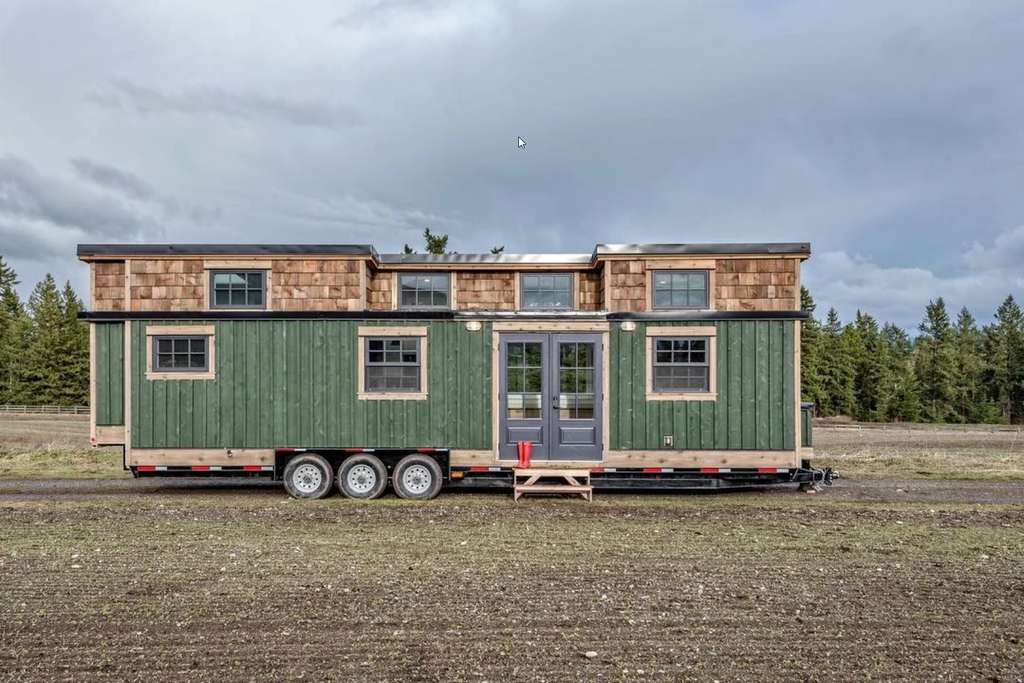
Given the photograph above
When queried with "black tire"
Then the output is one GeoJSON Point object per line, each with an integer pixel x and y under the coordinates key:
{"type": "Point", "coordinates": [417, 477]}
{"type": "Point", "coordinates": [308, 477]}
{"type": "Point", "coordinates": [362, 476]}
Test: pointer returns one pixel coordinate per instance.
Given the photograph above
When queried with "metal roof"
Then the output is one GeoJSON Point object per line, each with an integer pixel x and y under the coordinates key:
{"type": "Point", "coordinates": [100, 250]}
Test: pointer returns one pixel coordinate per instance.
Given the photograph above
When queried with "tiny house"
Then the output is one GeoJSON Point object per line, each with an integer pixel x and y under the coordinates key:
{"type": "Point", "coordinates": [657, 365]}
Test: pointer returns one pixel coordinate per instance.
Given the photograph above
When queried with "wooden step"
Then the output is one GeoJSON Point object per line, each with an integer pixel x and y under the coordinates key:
{"type": "Point", "coordinates": [586, 491]}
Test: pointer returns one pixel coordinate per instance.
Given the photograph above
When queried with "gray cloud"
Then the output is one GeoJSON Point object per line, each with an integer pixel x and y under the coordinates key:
{"type": "Point", "coordinates": [886, 135]}
{"type": "Point", "coordinates": [113, 178]}
{"type": "Point", "coordinates": [215, 101]}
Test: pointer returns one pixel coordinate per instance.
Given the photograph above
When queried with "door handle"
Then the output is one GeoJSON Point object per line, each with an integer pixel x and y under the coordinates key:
{"type": "Point", "coordinates": [554, 402]}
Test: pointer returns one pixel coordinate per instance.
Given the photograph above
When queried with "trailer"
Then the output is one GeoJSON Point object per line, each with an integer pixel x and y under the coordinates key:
{"type": "Point", "coordinates": [333, 367]}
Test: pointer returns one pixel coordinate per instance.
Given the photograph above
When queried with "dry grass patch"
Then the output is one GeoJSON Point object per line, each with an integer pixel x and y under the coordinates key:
{"type": "Point", "coordinates": [941, 453]}
{"type": "Point", "coordinates": [43, 447]}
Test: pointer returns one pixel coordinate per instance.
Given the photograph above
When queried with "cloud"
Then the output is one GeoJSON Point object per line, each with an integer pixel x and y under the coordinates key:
{"type": "Point", "coordinates": [899, 294]}
{"type": "Point", "coordinates": [216, 101]}
{"type": "Point", "coordinates": [112, 178]}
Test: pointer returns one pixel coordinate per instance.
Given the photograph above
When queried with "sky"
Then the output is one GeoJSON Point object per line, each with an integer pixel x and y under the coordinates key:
{"type": "Point", "coordinates": [888, 134]}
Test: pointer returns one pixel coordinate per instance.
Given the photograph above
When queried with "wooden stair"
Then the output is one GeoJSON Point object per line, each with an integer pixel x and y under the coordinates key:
{"type": "Point", "coordinates": [539, 480]}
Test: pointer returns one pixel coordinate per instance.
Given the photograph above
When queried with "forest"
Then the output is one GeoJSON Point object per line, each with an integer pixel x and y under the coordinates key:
{"type": "Point", "coordinates": [947, 371]}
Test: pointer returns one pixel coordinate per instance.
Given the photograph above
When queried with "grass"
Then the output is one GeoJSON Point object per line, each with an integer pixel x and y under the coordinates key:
{"type": "Point", "coordinates": [921, 453]}
{"type": "Point", "coordinates": [44, 447]}
{"type": "Point", "coordinates": [49, 447]}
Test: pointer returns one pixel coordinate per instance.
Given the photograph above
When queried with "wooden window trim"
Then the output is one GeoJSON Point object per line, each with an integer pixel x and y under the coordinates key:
{"type": "Point", "coordinates": [681, 265]}
{"type": "Point", "coordinates": [398, 331]}
{"type": "Point", "coordinates": [210, 265]}
{"type": "Point", "coordinates": [573, 290]}
{"type": "Point", "coordinates": [682, 331]}
{"type": "Point", "coordinates": [208, 331]}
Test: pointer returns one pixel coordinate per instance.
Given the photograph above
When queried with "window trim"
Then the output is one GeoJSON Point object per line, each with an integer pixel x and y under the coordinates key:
{"type": "Point", "coordinates": [423, 273]}
{"type": "Point", "coordinates": [211, 294]}
{"type": "Point", "coordinates": [397, 331]}
{"type": "Point", "coordinates": [708, 332]}
{"type": "Point", "coordinates": [237, 265]}
{"type": "Point", "coordinates": [155, 331]}
{"type": "Point", "coordinates": [709, 292]}
{"type": "Point", "coordinates": [521, 290]}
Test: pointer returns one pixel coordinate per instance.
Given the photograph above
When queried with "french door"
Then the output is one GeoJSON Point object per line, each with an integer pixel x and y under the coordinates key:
{"type": "Point", "coordinates": [549, 393]}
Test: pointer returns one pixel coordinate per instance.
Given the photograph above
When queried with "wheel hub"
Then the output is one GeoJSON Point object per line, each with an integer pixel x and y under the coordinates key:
{"type": "Point", "coordinates": [362, 478]}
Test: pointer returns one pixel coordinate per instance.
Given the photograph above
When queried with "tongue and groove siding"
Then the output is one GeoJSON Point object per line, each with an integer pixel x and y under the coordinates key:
{"type": "Point", "coordinates": [285, 382]}
{"type": "Point", "coordinates": [755, 408]}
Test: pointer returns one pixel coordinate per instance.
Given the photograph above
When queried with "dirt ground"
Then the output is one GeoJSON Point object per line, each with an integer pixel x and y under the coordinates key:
{"type": "Point", "coordinates": [169, 580]}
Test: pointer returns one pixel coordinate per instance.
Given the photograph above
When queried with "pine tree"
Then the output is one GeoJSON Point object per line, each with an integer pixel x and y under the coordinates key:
{"type": "Point", "coordinates": [872, 369]}
{"type": "Point", "coordinates": [968, 399]}
{"type": "Point", "coordinates": [904, 405]}
{"type": "Point", "coordinates": [811, 389]}
{"type": "Point", "coordinates": [436, 244]}
{"type": "Point", "coordinates": [1003, 375]}
{"type": "Point", "coordinates": [42, 372]}
{"type": "Point", "coordinates": [936, 365]}
{"type": "Point", "coordinates": [837, 372]}
{"type": "Point", "coordinates": [74, 388]}
{"type": "Point", "coordinates": [13, 328]}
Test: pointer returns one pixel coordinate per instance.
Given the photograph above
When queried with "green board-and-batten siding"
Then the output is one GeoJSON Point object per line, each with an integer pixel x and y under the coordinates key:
{"type": "Point", "coordinates": [806, 426]}
{"type": "Point", "coordinates": [284, 382]}
{"type": "Point", "coordinates": [109, 374]}
{"type": "Point", "coordinates": [755, 408]}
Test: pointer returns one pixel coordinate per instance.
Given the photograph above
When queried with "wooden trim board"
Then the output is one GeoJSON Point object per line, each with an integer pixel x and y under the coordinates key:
{"type": "Point", "coordinates": [178, 457]}
{"type": "Point", "coordinates": [109, 435]}
{"type": "Point", "coordinates": [93, 379]}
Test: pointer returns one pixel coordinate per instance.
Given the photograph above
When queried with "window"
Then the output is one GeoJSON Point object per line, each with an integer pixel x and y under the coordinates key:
{"type": "Point", "coordinates": [547, 291]}
{"type": "Point", "coordinates": [180, 352]}
{"type": "Point", "coordinates": [423, 291]}
{"type": "Point", "coordinates": [681, 363]}
{"type": "Point", "coordinates": [680, 289]}
{"type": "Point", "coordinates": [524, 376]}
{"type": "Point", "coordinates": [238, 289]}
{"type": "Point", "coordinates": [392, 363]}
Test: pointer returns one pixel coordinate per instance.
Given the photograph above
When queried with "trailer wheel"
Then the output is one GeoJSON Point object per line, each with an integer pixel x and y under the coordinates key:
{"type": "Point", "coordinates": [308, 476]}
{"type": "Point", "coordinates": [417, 477]}
{"type": "Point", "coordinates": [362, 476]}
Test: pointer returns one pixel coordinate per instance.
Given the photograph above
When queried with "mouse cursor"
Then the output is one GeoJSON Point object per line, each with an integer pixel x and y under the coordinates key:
{"type": "Point", "coordinates": [521, 143]}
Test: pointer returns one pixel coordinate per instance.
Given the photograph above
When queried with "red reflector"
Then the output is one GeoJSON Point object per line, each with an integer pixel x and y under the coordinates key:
{"type": "Point", "coordinates": [353, 450]}
{"type": "Point", "coordinates": [653, 469]}
{"type": "Point", "coordinates": [709, 470]}
{"type": "Point", "coordinates": [768, 470]}
{"type": "Point", "coordinates": [146, 468]}
{"type": "Point", "coordinates": [252, 468]}
{"type": "Point", "coordinates": [200, 468]}
{"type": "Point", "coordinates": [286, 450]}
{"type": "Point", "coordinates": [427, 450]}
{"type": "Point", "coordinates": [597, 469]}
{"type": "Point", "coordinates": [478, 469]}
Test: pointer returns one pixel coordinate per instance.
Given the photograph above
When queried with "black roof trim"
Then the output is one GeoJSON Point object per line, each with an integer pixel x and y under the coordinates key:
{"type": "Point", "coordinates": [711, 315]}
{"type": "Point", "coordinates": [225, 249]}
{"type": "Point", "coordinates": [119, 316]}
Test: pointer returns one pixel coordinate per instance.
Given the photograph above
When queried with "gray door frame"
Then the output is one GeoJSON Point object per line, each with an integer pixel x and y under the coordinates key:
{"type": "Point", "coordinates": [547, 431]}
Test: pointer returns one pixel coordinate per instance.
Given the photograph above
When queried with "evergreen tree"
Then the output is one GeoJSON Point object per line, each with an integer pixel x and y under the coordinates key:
{"type": "Point", "coordinates": [904, 404]}
{"type": "Point", "coordinates": [837, 372]}
{"type": "Point", "coordinates": [936, 364]}
{"type": "Point", "coordinates": [873, 381]}
{"type": "Point", "coordinates": [968, 399]}
{"type": "Point", "coordinates": [811, 388]}
{"type": "Point", "coordinates": [12, 331]}
{"type": "Point", "coordinates": [43, 370]}
{"type": "Point", "coordinates": [1003, 375]}
{"type": "Point", "coordinates": [74, 389]}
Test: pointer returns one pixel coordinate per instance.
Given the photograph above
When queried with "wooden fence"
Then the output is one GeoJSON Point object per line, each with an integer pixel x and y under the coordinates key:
{"type": "Point", "coordinates": [826, 425]}
{"type": "Point", "coordinates": [45, 410]}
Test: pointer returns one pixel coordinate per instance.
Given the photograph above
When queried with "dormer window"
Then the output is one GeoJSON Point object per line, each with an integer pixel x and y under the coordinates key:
{"type": "Point", "coordinates": [424, 290]}
{"type": "Point", "coordinates": [678, 289]}
{"type": "Point", "coordinates": [551, 291]}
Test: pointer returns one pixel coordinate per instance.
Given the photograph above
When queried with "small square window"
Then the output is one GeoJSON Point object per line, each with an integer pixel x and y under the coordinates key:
{"type": "Point", "coordinates": [238, 289]}
{"type": "Point", "coordinates": [180, 353]}
{"type": "Point", "coordinates": [680, 365]}
{"type": "Point", "coordinates": [423, 291]}
{"type": "Point", "coordinates": [392, 364]}
{"type": "Point", "coordinates": [679, 289]}
{"type": "Point", "coordinates": [548, 291]}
